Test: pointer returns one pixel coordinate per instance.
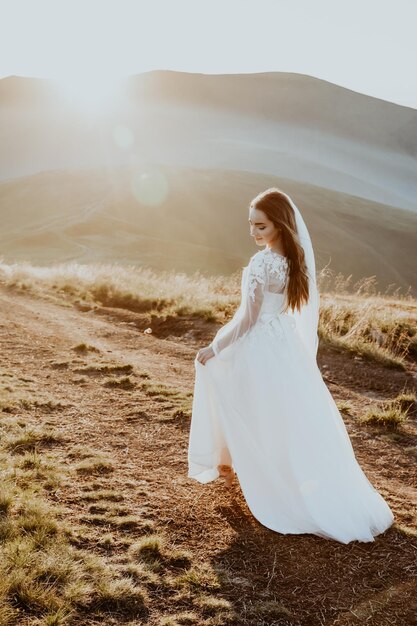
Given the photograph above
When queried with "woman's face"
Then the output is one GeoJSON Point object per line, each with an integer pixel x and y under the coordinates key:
{"type": "Point", "coordinates": [261, 228]}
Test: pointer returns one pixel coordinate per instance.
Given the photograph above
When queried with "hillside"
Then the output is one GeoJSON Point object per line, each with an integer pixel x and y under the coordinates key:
{"type": "Point", "coordinates": [197, 220]}
{"type": "Point", "coordinates": [274, 123]}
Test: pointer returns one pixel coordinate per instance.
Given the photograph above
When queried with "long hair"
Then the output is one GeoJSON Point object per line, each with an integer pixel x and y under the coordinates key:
{"type": "Point", "coordinates": [276, 207]}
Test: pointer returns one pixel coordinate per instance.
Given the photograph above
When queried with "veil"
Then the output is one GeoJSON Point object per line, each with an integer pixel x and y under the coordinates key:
{"type": "Point", "coordinates": [254, 283]}
{"type": "Point", "coordinates": [307, 319]}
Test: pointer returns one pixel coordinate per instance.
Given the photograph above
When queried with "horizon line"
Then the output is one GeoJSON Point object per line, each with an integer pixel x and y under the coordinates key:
{"type": "Point", "coordinates": [125, 76]}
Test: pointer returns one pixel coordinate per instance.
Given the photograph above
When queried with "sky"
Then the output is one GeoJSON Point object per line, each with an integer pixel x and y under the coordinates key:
{"type": "Point", "coordinates": [368, 46]}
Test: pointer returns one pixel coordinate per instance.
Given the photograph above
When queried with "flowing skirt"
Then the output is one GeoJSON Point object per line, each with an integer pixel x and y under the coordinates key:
{"type": "Point", "coordinates": [264, 408]}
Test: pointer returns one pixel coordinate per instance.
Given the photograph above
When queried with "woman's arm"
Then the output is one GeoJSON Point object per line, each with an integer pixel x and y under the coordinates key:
{"type": "Point", "coordinates": [253, 288]}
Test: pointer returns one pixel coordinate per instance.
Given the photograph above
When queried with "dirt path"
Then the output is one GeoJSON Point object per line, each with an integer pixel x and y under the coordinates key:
{"type": "Point", "coordinates": [314, 580]}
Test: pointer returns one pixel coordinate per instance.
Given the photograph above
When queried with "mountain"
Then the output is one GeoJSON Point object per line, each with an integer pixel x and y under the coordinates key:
{"type": "Point", "coordinates": [164, 171]}
{"type": "Point", "coordinates": [288, 125]}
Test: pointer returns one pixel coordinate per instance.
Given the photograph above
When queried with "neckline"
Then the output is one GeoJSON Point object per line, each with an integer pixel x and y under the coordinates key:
{"type": "Point", "coordinates": [267, 250]}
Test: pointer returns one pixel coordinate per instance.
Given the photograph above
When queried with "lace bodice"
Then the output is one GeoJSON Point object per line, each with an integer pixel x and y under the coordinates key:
{"type": "Point", "coordinates": [263, 292]}
{"type": "Point", "coordinates": [268, 268]}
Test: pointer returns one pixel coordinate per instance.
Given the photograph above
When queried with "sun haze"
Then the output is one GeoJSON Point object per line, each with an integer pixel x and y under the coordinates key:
{"type": "Point", "coordinates": [74, 40]}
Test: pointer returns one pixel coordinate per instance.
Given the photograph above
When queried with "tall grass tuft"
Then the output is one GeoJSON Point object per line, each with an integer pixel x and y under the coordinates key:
{"type": "Point", "coordinates": [393, 413]}
{"type": "Point", "coordinates": [358, 318]}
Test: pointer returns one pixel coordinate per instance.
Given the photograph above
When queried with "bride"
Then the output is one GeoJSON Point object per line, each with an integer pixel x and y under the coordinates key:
{"type": "Point", "coordinates": [261, 409]}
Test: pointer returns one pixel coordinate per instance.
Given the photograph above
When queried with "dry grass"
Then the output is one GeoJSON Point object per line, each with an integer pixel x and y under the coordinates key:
{"type": "Point", "coordinates": [17, 393]}
{"type": "Point", "coordinates": [46, 576]}
{"type": "Point", "coordinates": [126, 287]}
{"type": "Point", "coordinates": [98, 464]}
{"type": "Point", "coordinates": [85, 348]}
{"type": "Point", "coordinates": [103, 494]}
{"type": "Point", "coordinates": [392, 414]}
{"type": "Point", "coordinates": [354, 317]}
{"type": "Point", "coordinates": [105, 368]}
{"type": "Point", "coordinates": [358, 317]}
{"type": "Point", "coordinates": [125, 382]}
{"type": "Point", "coordinates": [42, 574]}
{"type": "Point", "coordinates": [30, 439]}
{"type": "Point", "coordinates": [391, 417]}
{"type": "Point", "coordinates": [50, 571]}
{"type": "Point", "coordinates": [175, 403]}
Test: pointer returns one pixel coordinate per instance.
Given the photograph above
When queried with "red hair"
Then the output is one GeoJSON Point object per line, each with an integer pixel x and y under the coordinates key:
{"type": "Point", "coordinates": [274, 203]}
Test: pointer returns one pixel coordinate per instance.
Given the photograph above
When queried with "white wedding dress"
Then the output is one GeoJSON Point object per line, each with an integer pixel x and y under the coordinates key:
{"type": "Point", "coordinates": [262, 406]}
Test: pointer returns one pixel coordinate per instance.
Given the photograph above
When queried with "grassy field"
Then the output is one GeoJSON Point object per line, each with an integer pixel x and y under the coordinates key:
{"type": "Point", "coordinates": [353, 316]}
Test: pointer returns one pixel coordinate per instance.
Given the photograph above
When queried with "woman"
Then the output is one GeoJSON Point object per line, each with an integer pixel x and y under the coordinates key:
{"type": "Point", "coordinates": [261, 407]}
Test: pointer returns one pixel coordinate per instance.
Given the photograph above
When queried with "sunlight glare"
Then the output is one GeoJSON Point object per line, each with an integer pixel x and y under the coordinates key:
{"type": "Point", "coordinates": [91, 92]}
{"type": "Point", "coordinates": [123, 136]}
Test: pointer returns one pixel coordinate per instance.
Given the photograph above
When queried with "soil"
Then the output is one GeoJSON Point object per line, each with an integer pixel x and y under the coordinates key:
{"type": "Point", "coordinates": [318, 581]}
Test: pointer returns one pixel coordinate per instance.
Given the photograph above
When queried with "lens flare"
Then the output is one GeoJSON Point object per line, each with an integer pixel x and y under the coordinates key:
{"type": "Point", "coordinates": [91, 92]}
{"type": "Point", "coordinates": [149, 186]}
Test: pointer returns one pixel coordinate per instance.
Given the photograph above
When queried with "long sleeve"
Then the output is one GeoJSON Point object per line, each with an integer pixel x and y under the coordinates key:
{"type": "Point", "coordinates": [254, 281]}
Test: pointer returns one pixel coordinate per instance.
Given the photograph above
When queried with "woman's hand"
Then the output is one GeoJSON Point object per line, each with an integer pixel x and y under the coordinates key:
{"type": "Point", "coordinates": [204, 354]}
